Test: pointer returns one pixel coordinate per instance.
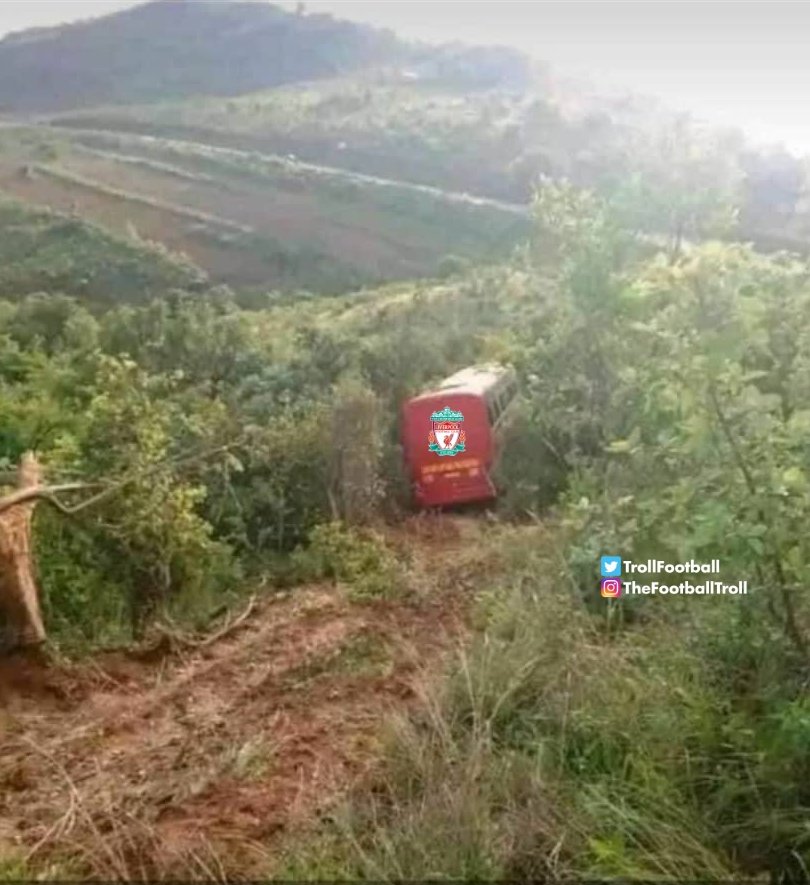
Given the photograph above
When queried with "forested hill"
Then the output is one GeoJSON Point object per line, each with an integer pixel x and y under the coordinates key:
{"type": "Point", "coordinates": [171, 49]}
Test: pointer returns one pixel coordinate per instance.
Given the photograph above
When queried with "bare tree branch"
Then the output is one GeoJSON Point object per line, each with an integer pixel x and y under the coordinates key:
{"type": "Point", "coordinates": [44, 493]}
{"type": "Point", "coordinates": [48, 493]}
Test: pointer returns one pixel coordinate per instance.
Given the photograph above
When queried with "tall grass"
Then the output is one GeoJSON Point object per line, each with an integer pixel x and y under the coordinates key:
{"type": "Point", "coordinates": [559, 746]}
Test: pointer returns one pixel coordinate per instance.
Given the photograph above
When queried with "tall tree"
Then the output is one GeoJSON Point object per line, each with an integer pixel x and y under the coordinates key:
{"type": "Point", "coordinates": [682, 182]}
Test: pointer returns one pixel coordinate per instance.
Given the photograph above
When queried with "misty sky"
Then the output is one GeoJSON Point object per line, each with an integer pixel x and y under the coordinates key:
{"type": "Point", "coordinates": [739, 63]}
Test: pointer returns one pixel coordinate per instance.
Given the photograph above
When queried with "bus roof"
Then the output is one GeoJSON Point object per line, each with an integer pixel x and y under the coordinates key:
{"type": "Point", "coordinates": [474, 379]}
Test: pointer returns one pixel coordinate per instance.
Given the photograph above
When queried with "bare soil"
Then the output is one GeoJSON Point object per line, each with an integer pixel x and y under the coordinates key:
{"type": "Point", "coordinates": [196, 764]}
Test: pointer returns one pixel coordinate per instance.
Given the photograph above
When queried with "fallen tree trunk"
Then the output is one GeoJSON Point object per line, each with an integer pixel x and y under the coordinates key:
{"type": "Point", "coordinates": [19, 593]}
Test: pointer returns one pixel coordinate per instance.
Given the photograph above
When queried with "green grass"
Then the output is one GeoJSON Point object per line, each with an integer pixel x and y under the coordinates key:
{"type": "Point", "coordinates": [558, 748]}
{"type": "Point", "coordinates": [15, 868]}
{"type": "Point", "coordinates": [247, 761]}
{"type": "Point", "coordinates": [364, 655]}
{"type": "Point", "coordinates": [361, 655]}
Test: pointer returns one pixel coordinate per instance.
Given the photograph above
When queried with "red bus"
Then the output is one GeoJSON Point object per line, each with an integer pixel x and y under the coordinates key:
{"type": "Point", "coordinates": [449, 435]}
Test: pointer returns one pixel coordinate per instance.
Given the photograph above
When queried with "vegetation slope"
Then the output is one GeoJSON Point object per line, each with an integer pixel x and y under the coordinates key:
{"type": "Point", "coordinates": [664, 414]}
{"type": "Point", "coordinates": [254, 221]}
{"type": "Point", "coordinates": [639, 737]}
{"type": "Point", "coordinates": [42, 251]}
{"type": "Point", "coordinates": [427, 126]}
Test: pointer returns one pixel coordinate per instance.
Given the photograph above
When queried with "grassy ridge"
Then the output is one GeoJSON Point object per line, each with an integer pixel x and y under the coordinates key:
{"type": "Point", "coordinates": [45, 251]}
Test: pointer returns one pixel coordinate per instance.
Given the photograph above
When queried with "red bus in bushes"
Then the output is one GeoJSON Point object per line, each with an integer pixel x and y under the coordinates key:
{"type": "Point", "coordinates": [450, 435]}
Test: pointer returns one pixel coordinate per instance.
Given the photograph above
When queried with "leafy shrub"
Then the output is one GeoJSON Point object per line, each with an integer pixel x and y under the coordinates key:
{"type": "Point", "coordinates": [358, 558]}
{"type": "Point", "coordinates": [86, 595]}
{"type": "Point", "coordinates": [661, 738]}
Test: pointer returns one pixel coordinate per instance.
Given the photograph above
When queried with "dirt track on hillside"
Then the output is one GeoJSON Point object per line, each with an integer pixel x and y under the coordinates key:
{"type": "Point", "coordinates": [196, 764]}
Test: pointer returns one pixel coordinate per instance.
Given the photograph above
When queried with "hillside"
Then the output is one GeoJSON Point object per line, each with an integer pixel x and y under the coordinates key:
{"type": "Point", "coordinates": [357, 175]}
{"type": "Point", "coordinates": [164, 48]}
{"type": "Point", "coordinates": [44, 251]}
{"type": "Point", "coordinates": [414, 125]}
{"type": "Point", "coordinates": [407, 123]}
{"type": "Point", "coordinates": [233, 440]}
{"type": "Point", "coordinates": [230, 649]}
{"type": "Point", "coordinates": [254, 221]}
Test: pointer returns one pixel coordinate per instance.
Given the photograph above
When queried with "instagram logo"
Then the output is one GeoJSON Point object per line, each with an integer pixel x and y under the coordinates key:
{"type": "Point", "coordinates": [611, 588]}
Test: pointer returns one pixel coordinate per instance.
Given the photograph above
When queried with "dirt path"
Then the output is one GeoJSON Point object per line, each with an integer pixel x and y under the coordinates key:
{"type": "Point", "coordinates": [192, 766]}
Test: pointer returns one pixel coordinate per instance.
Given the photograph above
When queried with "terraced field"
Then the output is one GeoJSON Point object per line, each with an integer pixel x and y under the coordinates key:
{"type": "Point", "coordinates": [255, 221]}
{"type": "Point", "coordinates": [369, 123]}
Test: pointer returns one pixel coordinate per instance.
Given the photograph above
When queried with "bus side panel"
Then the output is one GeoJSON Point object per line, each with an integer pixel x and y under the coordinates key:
{"type": "Point", "coordinates": [440, 480]}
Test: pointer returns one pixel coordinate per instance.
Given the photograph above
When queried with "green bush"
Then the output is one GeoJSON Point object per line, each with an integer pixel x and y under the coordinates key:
{"type": "Point", "coordinates": [653, 737]}
{"type": "Point", "coordinates": [360, 559]}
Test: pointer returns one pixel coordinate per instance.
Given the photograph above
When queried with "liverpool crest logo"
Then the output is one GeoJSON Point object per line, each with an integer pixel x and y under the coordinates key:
{"type": "Point", "coordinates": [447, 436]}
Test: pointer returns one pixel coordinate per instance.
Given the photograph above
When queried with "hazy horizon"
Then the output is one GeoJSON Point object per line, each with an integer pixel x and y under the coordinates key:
{"type": "Point", "coordinates": [741, 64]}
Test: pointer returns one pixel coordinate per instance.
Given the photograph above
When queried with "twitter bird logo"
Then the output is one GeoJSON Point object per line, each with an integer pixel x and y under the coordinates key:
{"type": "Point", "coordinates": [611, 566]}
